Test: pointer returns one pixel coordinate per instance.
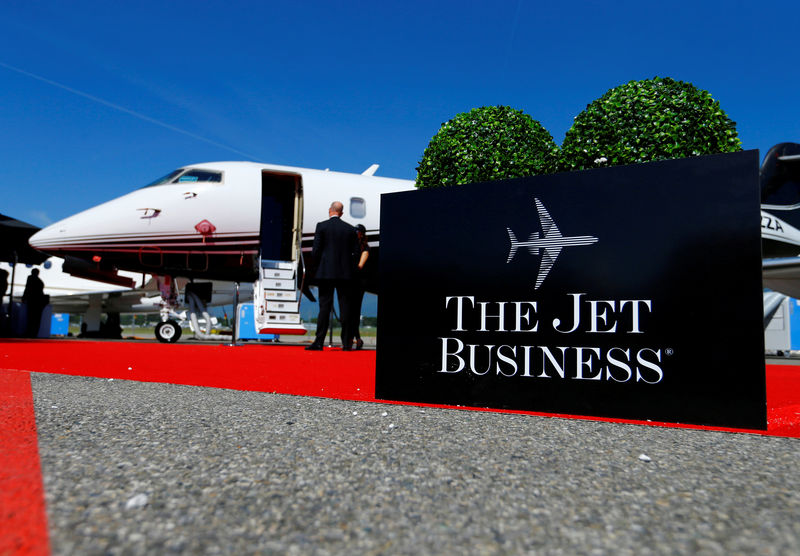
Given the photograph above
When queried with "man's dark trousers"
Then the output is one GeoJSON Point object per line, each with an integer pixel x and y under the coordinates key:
{"type": "Point", "coordinates": [325, 289]}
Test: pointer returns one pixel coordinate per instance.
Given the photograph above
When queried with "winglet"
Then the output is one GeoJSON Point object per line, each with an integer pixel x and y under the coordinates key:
{"type": "Point", "coordinates": [371, 170]}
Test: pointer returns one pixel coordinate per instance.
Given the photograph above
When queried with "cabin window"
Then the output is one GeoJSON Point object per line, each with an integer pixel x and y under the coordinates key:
{"type": "Point", "coordinates": [358, 207]}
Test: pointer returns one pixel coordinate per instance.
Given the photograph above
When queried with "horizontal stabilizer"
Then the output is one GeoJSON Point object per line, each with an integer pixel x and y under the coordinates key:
{"type": "Point", "coordinates": [772, 302]}
{"type": "Point", "coordinates": [371, 170]}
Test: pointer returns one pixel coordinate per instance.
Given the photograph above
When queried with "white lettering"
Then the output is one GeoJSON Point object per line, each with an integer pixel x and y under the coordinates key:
{"type": "Point", "coordinates": [649, 365]}
{"type": "Point", "coordinates": [580, 363]}
{"type": "Point", "coordinates": [549, 355]}
{"type": "Point", "coordinates": [446, 354]}
{"type": "Point", "coordinates": [472, 366]}
{"type": "Point", "coordinates": [595, 316]}
{"type": "Point", "coordinates": [459, 310]}
{"type": "Point", "coordinates": [584, 363]}
{"type": "Point", "coordinates": [620, 364]}
{"type": "Point", "coordinates": [576, 315]}
{"type": "Point", "coordinates": [525, 316]}
{"type": "Point", "coordinates": [508, 360]}
{"type": "Point", "coordinates": [527, 367]}
{"type": "Point", "coordinates": [500, 316]}
{"type": "Point", "coordinates": [635, 312]}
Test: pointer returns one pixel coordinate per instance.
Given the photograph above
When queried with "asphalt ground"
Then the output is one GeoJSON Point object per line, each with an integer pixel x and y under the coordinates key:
{"type": "Point", "coordinates": [146, 468]}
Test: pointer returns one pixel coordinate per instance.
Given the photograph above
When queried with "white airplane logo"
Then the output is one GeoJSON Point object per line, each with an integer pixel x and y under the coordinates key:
{"type": "Point", "coordinates": [551, 243]}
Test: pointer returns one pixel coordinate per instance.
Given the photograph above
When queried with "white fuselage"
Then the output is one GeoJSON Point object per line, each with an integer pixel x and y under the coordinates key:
{"type": "Point", "coordinates": [206, 229]}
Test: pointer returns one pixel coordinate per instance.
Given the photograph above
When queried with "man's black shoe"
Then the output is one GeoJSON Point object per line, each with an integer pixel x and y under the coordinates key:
{"type": "Point", "coordinates": [313, 347]}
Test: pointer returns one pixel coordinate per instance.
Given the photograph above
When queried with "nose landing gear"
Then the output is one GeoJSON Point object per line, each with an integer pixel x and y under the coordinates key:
{"type": "Point", "coordinates": [168, 331]}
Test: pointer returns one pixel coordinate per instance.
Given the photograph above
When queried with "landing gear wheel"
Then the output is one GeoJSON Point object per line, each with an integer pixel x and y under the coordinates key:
{"type": "Point", "coordinates": [168, 332]}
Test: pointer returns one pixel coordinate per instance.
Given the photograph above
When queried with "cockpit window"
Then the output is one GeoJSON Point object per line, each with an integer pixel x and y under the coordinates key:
{"type": "Point", "coordinates": [166, 179]}
{"type": "Point", "coordinates": [191, 176]}
{"type": "Point", "coordinates": [183, 175]}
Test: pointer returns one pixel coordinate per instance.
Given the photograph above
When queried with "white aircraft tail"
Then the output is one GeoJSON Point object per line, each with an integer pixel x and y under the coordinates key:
{"type": "Point", "coordinates": [371, 170]}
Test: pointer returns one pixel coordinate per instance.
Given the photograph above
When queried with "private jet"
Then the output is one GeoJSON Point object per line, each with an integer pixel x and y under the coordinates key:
{"type": "Point", "coordinates": [240, 222]}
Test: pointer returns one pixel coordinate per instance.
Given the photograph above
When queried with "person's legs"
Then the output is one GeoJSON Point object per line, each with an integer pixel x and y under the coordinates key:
{"type": "Point", "coordinates": [325, 291]}
{"type": "Point", "coordinates": [342, 294]}
{"type": "Point", "coordinates": [34, 320]}
{"type": "Point", "coordinates": [356, 301]}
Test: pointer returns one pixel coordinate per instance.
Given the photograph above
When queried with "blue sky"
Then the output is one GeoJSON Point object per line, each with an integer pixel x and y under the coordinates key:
{"type": "Point", "coordinates": [99, 98]}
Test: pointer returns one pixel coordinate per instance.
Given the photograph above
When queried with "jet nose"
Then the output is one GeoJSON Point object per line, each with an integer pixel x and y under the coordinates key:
{"type": "Point", "coordinates": [79, 230]}
{"type": "Point", "coordinates": [44, 238]}
{"type": "Point", "coordinates": [65, 235]}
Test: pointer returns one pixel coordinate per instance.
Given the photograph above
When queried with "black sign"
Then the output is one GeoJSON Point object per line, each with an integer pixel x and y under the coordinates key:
{"type": "Point", "coordinates": [631, 292]}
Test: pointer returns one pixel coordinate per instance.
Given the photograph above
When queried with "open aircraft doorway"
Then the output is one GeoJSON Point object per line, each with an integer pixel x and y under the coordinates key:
{"type": "Point", "coordinates": [281, 215]}
{"type": "Point", "coordinates": [278, 291]}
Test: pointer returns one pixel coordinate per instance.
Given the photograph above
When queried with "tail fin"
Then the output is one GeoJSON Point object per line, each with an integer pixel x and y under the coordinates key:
{"type": "Point", "coordinates": [514, 245]}
{"type": "Point", "coordinates": [780, 168]}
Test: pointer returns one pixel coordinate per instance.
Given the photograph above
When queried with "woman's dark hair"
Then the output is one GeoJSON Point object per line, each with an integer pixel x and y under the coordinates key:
{"type": "Point", "coordinates": [362, 236]}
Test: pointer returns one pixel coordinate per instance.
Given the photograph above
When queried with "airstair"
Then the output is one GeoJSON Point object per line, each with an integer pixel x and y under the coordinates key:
{"type": "Point", "coordinates": [276, 295]}
{"type": "Point", "coordinates": [277, 292]}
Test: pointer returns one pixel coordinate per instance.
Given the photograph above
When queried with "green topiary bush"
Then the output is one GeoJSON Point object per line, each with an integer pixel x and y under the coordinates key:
{"type": "Point", "coordinates": [485, 144]}
{"type": "Point", "coordinates": [652, 119]}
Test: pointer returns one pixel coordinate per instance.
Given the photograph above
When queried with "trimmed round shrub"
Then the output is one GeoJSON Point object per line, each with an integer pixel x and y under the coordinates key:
{"type": "Point", "coordinates": [485, 144]}
{"type": "Point", "coordinates": [652, 119]}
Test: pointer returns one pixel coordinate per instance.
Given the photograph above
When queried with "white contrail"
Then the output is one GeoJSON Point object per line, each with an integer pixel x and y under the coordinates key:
{"type": "Point", "coordinates": [125, 110]}
{"type": "Point", "coordinates": [512, 35]}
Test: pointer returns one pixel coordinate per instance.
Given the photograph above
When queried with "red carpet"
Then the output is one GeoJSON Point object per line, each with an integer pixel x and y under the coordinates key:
{"type": "Point", "coordinates": [783, 400]}
{"type": "Point", "coordinates": [288, 369]}
{"type": "Point", "coordinates": [283, 369]}
{"type": "Point", "coordinates": [23, 522]}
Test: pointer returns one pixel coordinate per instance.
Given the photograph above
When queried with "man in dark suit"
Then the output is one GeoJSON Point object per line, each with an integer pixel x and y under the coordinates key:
{"type": "Point", "coordinates": [35, 301]}
{"type": "Point", "coordinates": [335, 249]}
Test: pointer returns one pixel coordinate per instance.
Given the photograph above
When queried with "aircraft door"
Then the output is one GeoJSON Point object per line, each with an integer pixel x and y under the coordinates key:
{"type": "Point", "coordinates": [277, 292]}
{"type": "Point", "coordinates": [281, 216]}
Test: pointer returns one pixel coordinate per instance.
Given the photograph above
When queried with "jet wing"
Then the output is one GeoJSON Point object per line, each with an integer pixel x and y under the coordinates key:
{"type": "Point", "coordinates": [121, 301]}
{"type": "Point", "coordinates": [782, 275]}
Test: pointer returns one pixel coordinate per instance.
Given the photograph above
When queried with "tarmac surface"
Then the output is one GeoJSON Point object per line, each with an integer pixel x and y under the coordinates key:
{"type": "Point", "coordinates": [146, 468]}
